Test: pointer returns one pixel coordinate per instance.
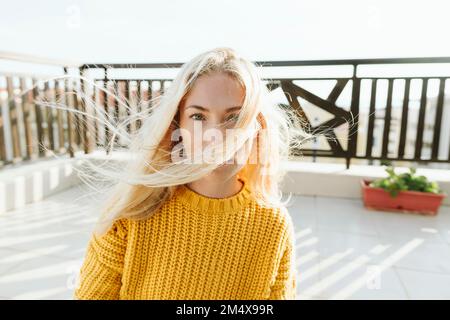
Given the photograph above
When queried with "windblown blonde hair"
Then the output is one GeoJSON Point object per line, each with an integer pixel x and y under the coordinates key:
{"type": "Point", "coordinates": [150, 176]}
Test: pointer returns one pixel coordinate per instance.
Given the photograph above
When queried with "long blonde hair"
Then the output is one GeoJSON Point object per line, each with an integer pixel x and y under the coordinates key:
{"type": "Point", "coordinates": [150, 176]}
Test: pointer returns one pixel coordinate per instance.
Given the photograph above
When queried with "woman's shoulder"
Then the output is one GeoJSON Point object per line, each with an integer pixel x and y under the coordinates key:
{"type": "Point", "coordinates": [279, 215]}
{"type": "Point", "coordinates": [117, 228]}
{"type": "Point", "coordinates": [277, 223]}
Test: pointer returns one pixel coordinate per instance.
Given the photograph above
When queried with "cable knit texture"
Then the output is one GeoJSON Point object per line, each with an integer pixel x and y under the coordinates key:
{"type": "Point", "coordinates": [194, 247]}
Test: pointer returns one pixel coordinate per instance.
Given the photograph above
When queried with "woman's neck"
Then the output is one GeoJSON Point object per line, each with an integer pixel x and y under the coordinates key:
{"type": "Point", "coordinates": [213, 187]}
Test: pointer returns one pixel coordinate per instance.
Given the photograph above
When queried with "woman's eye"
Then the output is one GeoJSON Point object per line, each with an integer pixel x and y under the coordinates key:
{"type": "Point", "coordinates": [197, 117]}
{"type": "Point", "coordinates": [233, 117]}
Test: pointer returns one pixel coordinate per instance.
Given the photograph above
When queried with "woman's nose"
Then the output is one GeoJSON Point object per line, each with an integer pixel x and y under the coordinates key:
{"type": "Point", "coordinates": [218, 126]}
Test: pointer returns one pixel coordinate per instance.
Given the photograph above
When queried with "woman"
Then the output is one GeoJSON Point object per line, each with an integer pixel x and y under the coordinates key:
{"type": "Point", "coordinates": [198, 213]}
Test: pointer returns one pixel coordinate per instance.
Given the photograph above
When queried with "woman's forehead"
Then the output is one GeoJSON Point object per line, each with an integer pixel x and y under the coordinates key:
{"type": "Point", "coordinates": [215, 92]}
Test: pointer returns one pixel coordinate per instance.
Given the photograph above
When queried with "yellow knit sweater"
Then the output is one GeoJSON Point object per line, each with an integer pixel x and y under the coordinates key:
{"type": "Point", "coordinates": [194, 247]}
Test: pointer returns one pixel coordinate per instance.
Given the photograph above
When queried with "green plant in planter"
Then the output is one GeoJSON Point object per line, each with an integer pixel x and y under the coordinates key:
{"type": "Point", "coordinates": [407, 181]}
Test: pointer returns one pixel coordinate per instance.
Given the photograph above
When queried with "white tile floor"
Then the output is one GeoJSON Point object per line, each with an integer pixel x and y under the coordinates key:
{"type": "Point", "coordinates": [347, 252]}
{"type": "Point", "coordinates": [343, 250]}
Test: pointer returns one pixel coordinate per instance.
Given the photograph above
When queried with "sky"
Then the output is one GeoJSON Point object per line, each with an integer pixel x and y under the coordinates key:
{"type": "Point", "coordinates": [132, 31]}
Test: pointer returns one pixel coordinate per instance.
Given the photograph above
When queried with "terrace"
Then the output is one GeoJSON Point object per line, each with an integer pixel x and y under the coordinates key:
{"type": "Point", "coordinates": [367, 113]}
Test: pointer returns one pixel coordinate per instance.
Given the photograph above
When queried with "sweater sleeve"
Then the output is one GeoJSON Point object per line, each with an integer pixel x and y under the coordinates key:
{"type": "Point", "coordinates": [284, 287]}
{"type": "Point", "coordinates": [101, 272]}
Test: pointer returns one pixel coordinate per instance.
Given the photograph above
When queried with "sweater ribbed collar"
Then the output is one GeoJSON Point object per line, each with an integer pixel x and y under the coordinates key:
{"type": "Point", "coordinates": [203, 203]}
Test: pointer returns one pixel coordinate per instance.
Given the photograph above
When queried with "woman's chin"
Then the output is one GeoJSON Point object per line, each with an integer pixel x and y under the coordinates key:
{"type": "Point", "coordinates": [226, 169]}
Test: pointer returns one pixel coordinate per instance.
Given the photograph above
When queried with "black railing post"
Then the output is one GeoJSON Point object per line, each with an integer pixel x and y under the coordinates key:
{"type": "Point", "coordinates": [70, 141]}
{"type": "Point", "coordinates": [354, 109]}
{"type": "Point", "coordinates": [84, 127]}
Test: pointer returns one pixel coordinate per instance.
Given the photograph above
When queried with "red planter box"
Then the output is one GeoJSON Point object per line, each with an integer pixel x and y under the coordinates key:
{"type": "Point", "coordinates": [425, 203]}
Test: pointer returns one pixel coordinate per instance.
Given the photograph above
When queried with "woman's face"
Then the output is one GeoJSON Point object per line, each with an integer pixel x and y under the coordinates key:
{"type": "Point", "coordinates": [211, 107]}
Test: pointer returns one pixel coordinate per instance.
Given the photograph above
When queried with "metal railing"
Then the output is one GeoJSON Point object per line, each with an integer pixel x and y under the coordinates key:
{"type": "Point", "coordinates": [29, 131]}
{"type": "Point", "coordinates": [75, 132]}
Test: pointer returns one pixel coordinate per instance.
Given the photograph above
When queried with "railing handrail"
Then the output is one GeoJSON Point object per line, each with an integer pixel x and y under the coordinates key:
{"type": "Point", "coordinates": [22, 57]}
{"type": "Point", "coordinates": [282, 63]}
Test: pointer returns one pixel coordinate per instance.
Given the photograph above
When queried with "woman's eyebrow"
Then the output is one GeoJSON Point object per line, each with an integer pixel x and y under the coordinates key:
{"type": "Point", "coordinates": [197, 107]}
{"type": "Point", "coordinates": [207, 110]}
{"type": "Point", "coordinates": [233, 109]}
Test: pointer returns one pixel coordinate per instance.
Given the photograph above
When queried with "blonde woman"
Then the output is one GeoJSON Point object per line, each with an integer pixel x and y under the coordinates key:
{"type": "Point", "coordinates": [197, 212]}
